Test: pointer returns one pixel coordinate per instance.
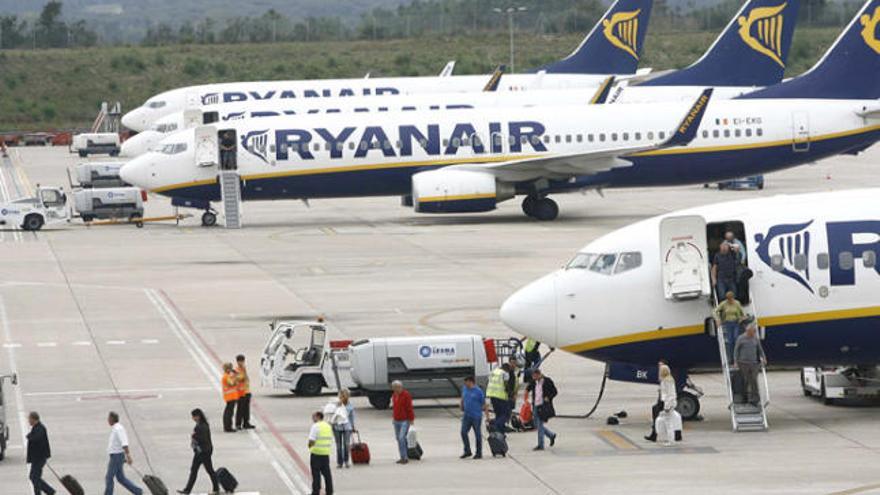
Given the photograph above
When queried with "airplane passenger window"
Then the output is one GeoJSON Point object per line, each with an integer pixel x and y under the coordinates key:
{"type": "Point", "coordinates": [627, 262]}
{"type": "Point", "coordinates": [650, 135]}
{"type": "Point", "coordinates": [536, 140]}
{"type": "Point", "coordinates": [524, 140]}
{"type": "Point", "coordinates": [317, 146]}
{"type": "Point", "coordinates": [614, 136]}
{"type": "Point", "coordinates": [363, 145]}
{"type": "Point", "coordinates": [397, 144]}
{"type": "Point", "coordinates": [478, 142]}
{"type": "Point", "coordinates": [662, 135]}
{"type": "Point", "coordinates": [511, 140]}
{"type": "Point", "coordinates": [777, 262]}
{"type": "Point", "coordinates": [387, 144]}
{"type": "Point", "coordinates": [351, 145]}
{"type": "Point", "coordinates": [546, 139]}
{"type": "Point", "coordinates": [602, 137]}
{"type": "Point", "coordinates": [748, 133]}
{"type": "Point", "coordinates": [638, 136]}
{"type": "Point", "coordinates": [445, 143]}
{"type": "Point", "coordinates": [869, 258]}
{"type": "Point", "coordinates": [737, 133]}
{"type": "Point", "coordinates": [339, 146]}
{"type": "Point", "coordinates": [580, 138]}
{"type": "Point", "coordinates": [823, 261]}
{"type": "Point", "coordinates": [705, 134]}
{"type": "Point", "coordinates": [590, 138]}
{"type": "Point", "coordinates": [846, 260]}
{"type": "Point", "coordinates": [466, 142]}
{"type": "Point", "coordinates": [727, 133]}
{"type": "Point", "coordinates": [626, 136]}
{"type": "Point", "coordinates": [760, 132]}
{"type": "Point", "coordinates": [558, 139]}
{"type": "Point", "coordinates": [716, 134]}
{"type": "Point", "coordinates": [423, 143]}
{"type": "Point", "coordinates": [800, 262]}
{"type": "Point", "coordinates": [498, 140]}
{"type": "Point", "coordinates": [456, 142]}
{"type": "Point", "coordinates": [604, 264]}
{"type": "Point", "coordinates": [581, 261]}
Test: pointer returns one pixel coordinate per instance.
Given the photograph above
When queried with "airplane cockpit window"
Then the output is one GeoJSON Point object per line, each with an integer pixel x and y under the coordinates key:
{"type": "Point", "coordinates": [173, 148]}
{"type": "Point", "coordinates": [627, 262]}
{"type": "Point", "coordinates": [581, 261]}
{"type": "Point", "coordinates": [604, 264]}
{"type": "Point", "coordinates": [156, 104]}
{"type": "Point", "coordinates": [165, 128]}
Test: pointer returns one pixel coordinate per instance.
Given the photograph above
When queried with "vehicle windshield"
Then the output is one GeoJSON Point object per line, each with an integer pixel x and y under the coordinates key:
{"type": "Point", "coordinates": [606, 263]}
{"type": "Point", "coordinates": [173, 148]}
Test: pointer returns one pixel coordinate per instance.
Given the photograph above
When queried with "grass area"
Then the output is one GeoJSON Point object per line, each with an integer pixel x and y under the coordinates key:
{"type": "Point", "coordinates": [56, 89]}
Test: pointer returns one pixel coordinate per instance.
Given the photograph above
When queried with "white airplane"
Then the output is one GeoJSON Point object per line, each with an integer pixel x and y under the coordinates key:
{"type": "Point", "coordinates": [739, 61]}
{"type": "Point", "coordinates": [612, 47]}
{"type": "Point", "coordinates": [470, 160]}
{"type": "Point", "coordinates": [642, 293]}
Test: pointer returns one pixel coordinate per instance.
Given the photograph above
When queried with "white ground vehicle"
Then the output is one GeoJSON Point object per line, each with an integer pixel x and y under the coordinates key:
{"type": "Point", "coordinates": [99, 174]}
{"type": "Point", "coordinates": [49, 205]}
{"type": "Point", "coordinates": [4, 422]}
{"type": "Point", "coordinates": [846, 382]}
{"type": "Point", "coordinates": [308, 368]}
{"type": "Point", "coordinates": [96, 143]}
{"type": "Point", "coordinates": [430, 366]}
{"type": "Point", "coordinates": [117, 202]}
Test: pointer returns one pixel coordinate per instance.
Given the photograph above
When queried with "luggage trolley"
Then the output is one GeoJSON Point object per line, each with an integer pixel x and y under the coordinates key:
{"type": "Point", "coordinates": [4, 422]}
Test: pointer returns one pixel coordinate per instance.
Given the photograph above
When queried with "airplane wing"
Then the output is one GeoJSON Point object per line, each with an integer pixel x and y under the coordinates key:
{"type": "Point", "coordinates": [448, 70]}
{"type": "Point", "coordinates": [870, 112]}
{"type": "Point", "coordinates": [594, 161]}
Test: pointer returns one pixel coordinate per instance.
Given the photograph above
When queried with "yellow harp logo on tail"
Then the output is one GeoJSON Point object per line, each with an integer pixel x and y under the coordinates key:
{"type": "Point", "coordinates": [869, 31]}
{"type": "Point", "coordinates": [767, 38]}
{"type": "Point", "coordinates": [622, 30]}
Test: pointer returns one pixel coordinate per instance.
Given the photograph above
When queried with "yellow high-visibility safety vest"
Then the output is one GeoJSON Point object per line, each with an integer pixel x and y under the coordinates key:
{"type": "Point", "coordinates": [530, 344]}
{"type": "Point", "coordinates": [324, 442]}
{"type": "Point", "coordinates": [497, 387]}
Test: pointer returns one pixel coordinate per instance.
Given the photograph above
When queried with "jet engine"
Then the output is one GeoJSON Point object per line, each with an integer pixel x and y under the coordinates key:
{"type": "Point", "coordinates": [458, 191]}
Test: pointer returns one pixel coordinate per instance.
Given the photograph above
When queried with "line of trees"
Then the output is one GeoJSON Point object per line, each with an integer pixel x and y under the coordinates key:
{"type": "Point", "coordinates": [48, 30]}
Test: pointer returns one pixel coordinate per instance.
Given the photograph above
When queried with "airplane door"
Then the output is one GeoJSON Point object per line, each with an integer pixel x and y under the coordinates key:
{"type": "Point", "coordinates": [800, 125]}
{"type": "Point", "coordinates": [192, 117]}
{"type": "Point", "coordinates": [207, 151]}
{"type": "Point", "coordinates": [684, 258]}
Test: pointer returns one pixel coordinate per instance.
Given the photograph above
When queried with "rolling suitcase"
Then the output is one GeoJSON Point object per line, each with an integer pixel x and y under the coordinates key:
{"type": "Point", "coordinates": [414, 450]}
{"type": "Point", "coordinates": [360, 451]}
{"type": "Point", "coordinates": [227, 480]}
{"type": "Point", "coordinates": [154, 484]}
{"type": "Point", "coordinates": [68, 482]}
{"type": "Point", "coordinates": [415, 453]}
{"type": "Point", "coordinates": [498, 444]}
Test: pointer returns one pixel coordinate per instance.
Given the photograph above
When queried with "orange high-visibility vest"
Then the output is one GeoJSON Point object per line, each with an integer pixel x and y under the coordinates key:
{"type": "Point", "coordinates": [230, 390]}
{"type": "Point", "coordinates": [244, 383]}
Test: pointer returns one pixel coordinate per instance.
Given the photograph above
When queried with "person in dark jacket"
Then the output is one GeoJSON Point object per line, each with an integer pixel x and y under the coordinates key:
{"type": "Point", "coordinates": [38, 453]}
{"type": "Point", "coordinates": [543, 391]}
{"type": "Point", "coordinates": [203, 449]}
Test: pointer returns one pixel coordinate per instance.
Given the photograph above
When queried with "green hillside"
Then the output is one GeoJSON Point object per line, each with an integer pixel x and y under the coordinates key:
{"type": "Point", "coordinates": [50, 89]}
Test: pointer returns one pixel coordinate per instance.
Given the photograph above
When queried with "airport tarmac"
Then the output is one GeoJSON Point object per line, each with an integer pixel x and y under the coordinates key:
{"type": "Point", "coordinates": [139, 320]}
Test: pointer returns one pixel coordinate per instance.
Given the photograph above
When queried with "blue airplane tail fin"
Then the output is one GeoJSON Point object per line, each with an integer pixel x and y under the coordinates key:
{"type": "Point", "coordinates": [613, 46]}
{"type": "Point", "coordinates": [751, 51]}
{"type": "Point", "coordinates": [850, 69]}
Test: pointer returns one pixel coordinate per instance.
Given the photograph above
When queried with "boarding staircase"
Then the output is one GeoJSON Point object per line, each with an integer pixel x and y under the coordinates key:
{"type": "Point", "coordinates": [230, 189]}
{"type": "Point", "coordinates": [744, 416]}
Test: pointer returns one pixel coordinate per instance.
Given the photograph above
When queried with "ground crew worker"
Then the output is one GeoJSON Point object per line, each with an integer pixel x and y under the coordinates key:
{"type": "Point", "coordinates": [532, 354]}
{"type": "Point", "coordinates": [320, 443]}
{"type": "Point", "coordinates": [243, 409]}
{"type": "Point", "coordinates": [496, 391]}
{"type": "Point", "coordinates": [229, 383]}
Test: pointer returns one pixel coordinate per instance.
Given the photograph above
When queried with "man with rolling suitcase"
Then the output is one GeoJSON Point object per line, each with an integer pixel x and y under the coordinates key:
{"type": "Point", "coordinates": [38, 453]}
{"type": "Point", "coordinates": [473, 404]}
{"type": "Point", "coordinates": [117, 449]}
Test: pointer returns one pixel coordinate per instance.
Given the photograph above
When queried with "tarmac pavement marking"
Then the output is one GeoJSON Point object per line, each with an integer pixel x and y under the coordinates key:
{"type": "Point", "coordinates": [185, 333]}
{"type": "Point", "coordinates": [860, 489]}
{"type": "Point", "coordinates": [121, 391]}
{"type": "Point", "coordinates": [115, 342]}
{"type": "Point", "coordinates": [617, 440]}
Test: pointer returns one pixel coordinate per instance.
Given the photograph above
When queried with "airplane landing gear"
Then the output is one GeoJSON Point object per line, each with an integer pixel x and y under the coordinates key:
{"type": "Point", "coordinates": [689, 401]}
{"type": "Point", "coordinates": [209, 219]}
{"type": "Point", "coordinates": [543, 209]}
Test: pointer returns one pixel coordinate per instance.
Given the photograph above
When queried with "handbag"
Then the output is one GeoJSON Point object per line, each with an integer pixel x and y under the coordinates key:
{"type": "Point", "coordinates": [545, 411]}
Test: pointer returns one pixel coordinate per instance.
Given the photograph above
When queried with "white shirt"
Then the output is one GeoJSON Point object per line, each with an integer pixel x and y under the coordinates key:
{"type": "Point", "coordinates": [313, 433]}
{"type": "Point", "coordinates": [118, 440]}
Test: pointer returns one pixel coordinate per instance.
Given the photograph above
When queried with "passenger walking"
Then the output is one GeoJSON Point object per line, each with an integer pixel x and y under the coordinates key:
{"type": "Point", "coordinates": [320, 440]}
{"type": "Point", "coordinates": [748, 356]}
{"type": "Point", "coordinates": [38, 453]}
{"type": "Point", "coordinates": [497, 391]}
{"type": "Point", "coordinates": [228, 150]}
{"type": "Point", "coordinates": [736, 245]}
{"type": "Point", "coordinates": [543, 391]}
{"type": "Point", "coordinates": [403, 417]}
{"type": "Point", "coordinates": [243, 406]}
{"type": "Point", "coordinates": [656, 408]}
{"type": "Point", "coordinates": [343, 424]}
{"type": "Point", "coordinates": [229, 384]}
{"type": "Point", "coordinates": [666, 421]}
{"type": "Point", "coordinates": [730, 315]}
{"type": "Point", "coordinates": [473, 404]}
{"type": "Point", "coordinates": [120, 455]}
{"type": "Point", "coordinates": [724, 272]}
{"type": "Point", "coordinates": [203, 449]}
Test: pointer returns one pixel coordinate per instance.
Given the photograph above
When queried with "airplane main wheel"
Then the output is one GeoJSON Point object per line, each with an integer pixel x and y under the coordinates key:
{"type": "Point", "coordinates": [688, 406]}
{"type": "Point", "coordinates": [528, 205]}
{"type": "Point", "coordinates": [309, 386]}
{"type": "Point", "coordinates": [209, 219]}
{"type": "Point", "coordinates": [545, 210]}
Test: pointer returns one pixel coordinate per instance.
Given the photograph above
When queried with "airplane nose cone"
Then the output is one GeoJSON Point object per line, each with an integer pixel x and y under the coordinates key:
{"type": "Point", "coordinates": [135, 120]}
{"type": "Point", "coordinates": [531, 310]}
{"type": "Point", "coordinates": [136, 173]}
{"type": "Point", "coordinates": [139, 144]}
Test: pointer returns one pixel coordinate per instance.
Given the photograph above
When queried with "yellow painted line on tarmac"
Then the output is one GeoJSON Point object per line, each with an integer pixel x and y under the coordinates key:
{"type": "Point", "coordinates": [617, 440]}
{"type": "Point", "coordinates": [25, 181]}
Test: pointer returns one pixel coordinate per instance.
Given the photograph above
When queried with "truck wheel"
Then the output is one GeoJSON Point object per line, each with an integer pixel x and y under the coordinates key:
{"type": "Point", "coordinates": [32, 222]}
{"type": "Point", "coordinates": [310, 385]}
{"type": "Point", "coordinates": [114, 153]}
{"type": "Point", "coordinates": [209, 219]}
{"type": "Point", "coordinates": [379, 400]}
{"type": "Point", "coordinates": [83, 154]}
{"type": "Point", "coordinates": [688, 406]}
{"type": "Point", "coordinates": [824, 395]}
{"type": "Point", "coordinates": [2, 442]}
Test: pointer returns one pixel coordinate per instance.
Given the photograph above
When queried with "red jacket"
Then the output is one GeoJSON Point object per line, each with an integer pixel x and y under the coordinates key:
{"type": "Point", "coordinates": [403, 407]}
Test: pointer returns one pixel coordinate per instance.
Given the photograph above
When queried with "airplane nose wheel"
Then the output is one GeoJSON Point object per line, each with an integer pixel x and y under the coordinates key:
{"type": "Point", "coordinates": [688, 405]}
{"type": "Point", "coordinates": [209, 219]}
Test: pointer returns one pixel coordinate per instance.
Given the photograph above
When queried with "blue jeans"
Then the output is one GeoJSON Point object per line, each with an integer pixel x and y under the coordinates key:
{"type": "Point", "coordinates": [731, 331]}
{"type": "Point", "coordinates": [36, 477]}
{"type": "Point", "coordinates": [114, 470]}
{"type": "Point", "coordinates": [401, 428]}
{"type": "Point", "coordinates": [725, 286]}
{"type": "Point", "coordinates": [542, 430]}
{"type": "Point", "coordinates": [343, 443]}
{"type": "Point", "coordinates": [469, 423]}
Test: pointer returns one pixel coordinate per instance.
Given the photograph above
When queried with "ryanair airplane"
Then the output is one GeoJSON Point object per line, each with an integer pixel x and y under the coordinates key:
{"type": "Point", "coordinates": [613, 47]}
{"type": "Point", "coordinates": [470, 160]}
{"type": "Point", "coordinates": [751, 53]}
{"type": "Point", "coordinates": [814, 289]}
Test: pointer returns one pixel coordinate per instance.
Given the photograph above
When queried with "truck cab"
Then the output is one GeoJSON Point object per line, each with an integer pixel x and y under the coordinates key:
{"type": "Point", "coordinates": [48, 205]}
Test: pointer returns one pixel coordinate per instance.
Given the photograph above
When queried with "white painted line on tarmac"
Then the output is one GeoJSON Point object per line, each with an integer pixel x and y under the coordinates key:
{"type": "Point", "coordinates": [149, 341]}
{"type": "Point", "coordinates": [111, 391]}
{"type": "Point", "coordinates": [81, 343]}
{"type": "Point", "coordinates": [204, 362]}
{"type": "Point", "coordinates": [115, 342]}
{"type": "Point", "coordinates": [11, 345]}
{"type": "Point", "coordinates": [47, 344]}
{"type": "Point", "coordinates": [19, 400]}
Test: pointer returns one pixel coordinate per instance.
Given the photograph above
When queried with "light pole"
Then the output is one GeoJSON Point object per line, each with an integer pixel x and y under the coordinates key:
{"type": "Point", "coordinates": [510, 11]}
